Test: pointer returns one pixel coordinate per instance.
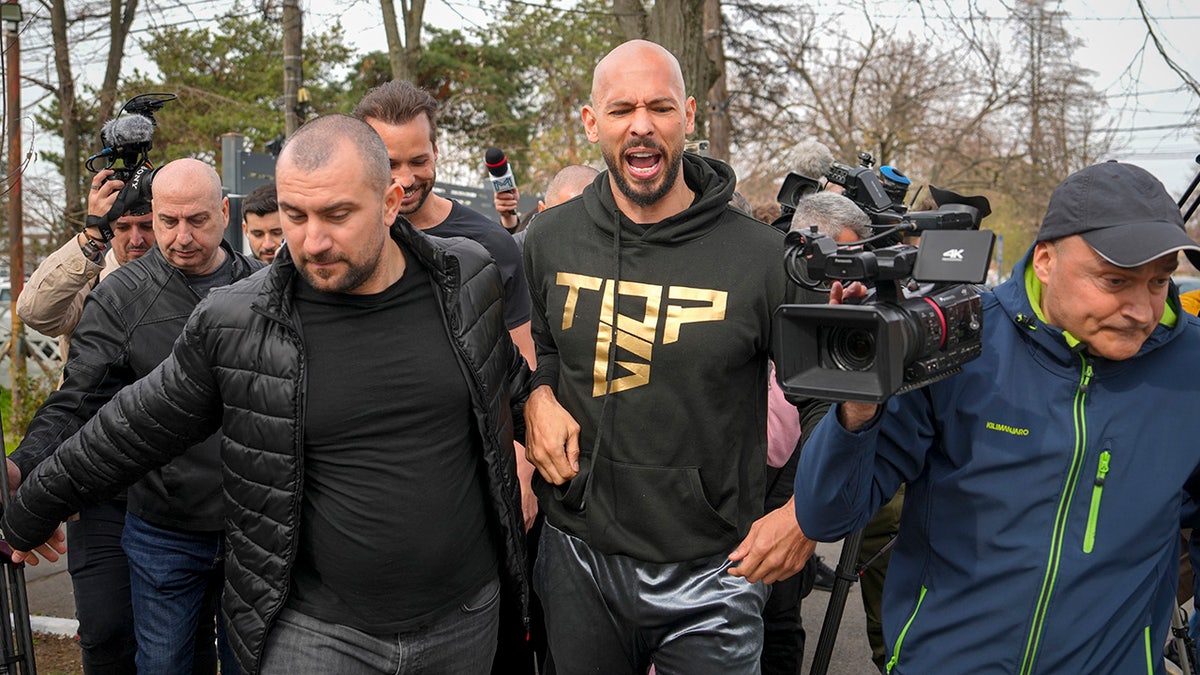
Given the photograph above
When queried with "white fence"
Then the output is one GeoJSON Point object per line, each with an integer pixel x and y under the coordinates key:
{"type": "Point", "coordinates": [43, 359]}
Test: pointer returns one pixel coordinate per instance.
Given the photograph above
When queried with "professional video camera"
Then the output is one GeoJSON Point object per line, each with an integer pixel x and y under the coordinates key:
{"type": "Point", "coordinates": [876, 194]}
{"type": "Point", "coordinates": [920, 323]}
{"type": "Point", "coordinates": [127, 141]}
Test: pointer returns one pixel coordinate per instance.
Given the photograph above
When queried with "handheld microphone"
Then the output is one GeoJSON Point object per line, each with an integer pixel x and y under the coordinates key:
{"type": "Point", "coordinates": [499, 171]}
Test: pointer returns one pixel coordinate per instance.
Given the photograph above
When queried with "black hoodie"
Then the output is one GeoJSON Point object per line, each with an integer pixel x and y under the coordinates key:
{"type": "Point", "coordinates": [678, 472]}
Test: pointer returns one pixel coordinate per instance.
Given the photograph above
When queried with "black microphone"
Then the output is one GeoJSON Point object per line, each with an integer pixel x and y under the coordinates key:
{"type": "Point", "coordinates": [499, 171]}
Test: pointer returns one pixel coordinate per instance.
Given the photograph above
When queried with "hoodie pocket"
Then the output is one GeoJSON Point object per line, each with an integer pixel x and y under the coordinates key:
{"type": "Point", "coordinates": [656, 513]}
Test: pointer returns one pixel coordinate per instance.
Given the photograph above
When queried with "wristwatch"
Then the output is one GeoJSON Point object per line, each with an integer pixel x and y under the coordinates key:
{"type": "Point", "coordinates": [93, 248]}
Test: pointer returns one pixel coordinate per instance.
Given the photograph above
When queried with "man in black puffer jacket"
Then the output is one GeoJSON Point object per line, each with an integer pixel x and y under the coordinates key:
{"type": "Point", "coordinates": [165, 544]}
{"type": "Point", "coordinates": [367, 391]}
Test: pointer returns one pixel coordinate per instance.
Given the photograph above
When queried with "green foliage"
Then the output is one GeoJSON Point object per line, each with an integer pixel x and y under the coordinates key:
{"type": "Point", "coordinates": [49, 117]}
{"type": "Point", "coordinates": [33, 392]}
{"type": "Point", "coordinates": [369, 71]}
{"type": "Point", "coordinates": [479, 86]}
{"type": "Point", "coordinates": [5, 416]}
{"type": "Point", "coordinates": [229, 78]}
{"type": "Point", "coordinates": [559, 49]}
{"type": "Point", "coordinates": [517, 83]}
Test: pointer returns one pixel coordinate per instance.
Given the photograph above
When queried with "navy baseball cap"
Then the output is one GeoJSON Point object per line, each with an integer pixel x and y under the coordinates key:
{"type": "Point", "coordinates": [1122, 211]}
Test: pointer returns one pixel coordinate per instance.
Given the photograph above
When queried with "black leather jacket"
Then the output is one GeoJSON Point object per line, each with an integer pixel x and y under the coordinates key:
{"type": "Point", "coordinates": [240, 362]}
{"type": "Point", "coordinates": [128, 325]}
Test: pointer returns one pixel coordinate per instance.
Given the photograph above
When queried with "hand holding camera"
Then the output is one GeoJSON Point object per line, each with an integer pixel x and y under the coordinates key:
{"type": "Point", "coordinates": [851, 414]}
{"type": "Point", "coordinates": [122, 182]}
{"type": "Point", "coordinates": [101, 198]}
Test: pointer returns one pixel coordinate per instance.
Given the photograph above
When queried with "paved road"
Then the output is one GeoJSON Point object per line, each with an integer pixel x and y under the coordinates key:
{"type": "Point", "coordinates": [49, 588]}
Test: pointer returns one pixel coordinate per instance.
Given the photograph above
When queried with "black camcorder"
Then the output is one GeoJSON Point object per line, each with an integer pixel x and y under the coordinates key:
{"type": "Point", "coordinates": [127, 141]}
{"type": "Point", "coordinates": [921, 321]}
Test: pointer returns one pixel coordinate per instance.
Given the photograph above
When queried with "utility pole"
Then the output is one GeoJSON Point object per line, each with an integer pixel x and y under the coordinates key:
{"type": "Point", "coordinates": [16, 230]}
{"type": "Point", "coordinates": [293, 61]}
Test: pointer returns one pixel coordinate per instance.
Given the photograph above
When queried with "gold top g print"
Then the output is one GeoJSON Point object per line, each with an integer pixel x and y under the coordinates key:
{"type": "Point", "coordinates": [637, 335]}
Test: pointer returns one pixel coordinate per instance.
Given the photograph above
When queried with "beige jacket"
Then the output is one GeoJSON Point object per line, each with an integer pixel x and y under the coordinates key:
{"type": "Point", "coordinates": [52, 301]}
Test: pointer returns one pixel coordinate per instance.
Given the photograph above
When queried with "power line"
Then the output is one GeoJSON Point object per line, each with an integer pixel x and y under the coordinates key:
{"type": "Point", "coordinates": [1183, 154]}
{"type": "Point", "coordinates": [1155, 92]}
{"type": "Point", "coordinates": [1157, 127]}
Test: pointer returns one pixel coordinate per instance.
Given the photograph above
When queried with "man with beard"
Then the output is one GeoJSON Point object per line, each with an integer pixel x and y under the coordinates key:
{"type": "Point", "coordinates": [653, 301]}
{"type": "Point", "coordinates": [367, 393]}
{"type": "Point", "coordinates": [171, 534]}
{"type": "Point", "coordinates": [260, 223]}
{"type": "Point", "coordinates": [405, 116]}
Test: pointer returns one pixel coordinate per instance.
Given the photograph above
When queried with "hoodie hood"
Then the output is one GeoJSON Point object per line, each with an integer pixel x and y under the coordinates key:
{"type": "Point", "coordinates": [712, 183]}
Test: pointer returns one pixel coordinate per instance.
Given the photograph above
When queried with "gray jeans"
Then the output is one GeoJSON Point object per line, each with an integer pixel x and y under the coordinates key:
{"type": "Point", "coordinates": [461, 643]}
{"type": "Point", "coordinates": [612, 614]}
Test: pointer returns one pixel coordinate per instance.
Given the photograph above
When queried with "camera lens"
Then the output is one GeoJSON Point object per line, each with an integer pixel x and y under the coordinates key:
{"type": "Point", "coordinates": [851, 348]}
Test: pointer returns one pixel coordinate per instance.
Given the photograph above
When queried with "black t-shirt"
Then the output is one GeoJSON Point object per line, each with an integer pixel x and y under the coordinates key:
{"type": "Point", "coordinates": [463, 222]}
{"type": "Point", "coordinates": [222, 276]}
{"type": "Point", "coordinates": [393, 528]}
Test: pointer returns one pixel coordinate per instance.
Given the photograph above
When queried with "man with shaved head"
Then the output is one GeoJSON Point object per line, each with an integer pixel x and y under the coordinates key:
{"type": "Point", "coordinates": [566, 185]}
{"type": "Point", "coordinates": [652, 309]}
{"type": "Point", "coordinates": [367, 393]}
{"type": "Point", "coordinates": [172, 535]}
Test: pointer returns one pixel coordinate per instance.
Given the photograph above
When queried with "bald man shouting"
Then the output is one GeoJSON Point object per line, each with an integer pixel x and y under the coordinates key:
{"type": "Point", "coordinates": [652, 308]}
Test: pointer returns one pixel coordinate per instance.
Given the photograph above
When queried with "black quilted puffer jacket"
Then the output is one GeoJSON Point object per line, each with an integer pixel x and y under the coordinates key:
{"type": "Point", "coordinates": [240, 365]}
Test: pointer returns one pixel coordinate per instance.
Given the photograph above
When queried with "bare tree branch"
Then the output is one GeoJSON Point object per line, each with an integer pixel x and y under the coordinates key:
{"type": "Point", "coordinates": [1187, 78]}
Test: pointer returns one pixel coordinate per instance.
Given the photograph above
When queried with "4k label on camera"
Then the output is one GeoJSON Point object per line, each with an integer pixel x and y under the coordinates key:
{"type": "Point", "coordinates": [954, 256]}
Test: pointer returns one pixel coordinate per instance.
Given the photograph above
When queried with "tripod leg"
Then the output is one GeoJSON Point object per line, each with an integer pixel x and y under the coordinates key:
{"type": "Point", "coordinates": [7, 653]}
{"type": "Point", "coordinates": [837, 603]}
{"type": "Point", "coordinates": [22, 631]}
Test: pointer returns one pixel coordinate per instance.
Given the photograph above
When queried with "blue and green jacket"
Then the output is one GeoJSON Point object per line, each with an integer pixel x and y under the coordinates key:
{"type": "Point", "coordinates": [1041, 520]}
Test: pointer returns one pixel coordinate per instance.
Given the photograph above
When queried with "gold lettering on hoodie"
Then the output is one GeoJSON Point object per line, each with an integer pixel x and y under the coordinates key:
{"type": "Point", "coordinates": [677, 315]}
{"type": "Point", "coordinates": [636, 335]}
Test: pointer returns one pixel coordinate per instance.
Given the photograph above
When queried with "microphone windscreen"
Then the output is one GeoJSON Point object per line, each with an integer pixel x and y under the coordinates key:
{"type": "Point", "coordinates": [497, 163]}
{"type": "Point", "coordinates": [813, 158]}
{"type": "Point", "coordinates": [126, 130]}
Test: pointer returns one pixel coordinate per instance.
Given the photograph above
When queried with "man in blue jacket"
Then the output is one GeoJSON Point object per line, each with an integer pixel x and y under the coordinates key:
{"type": "Point", "coordinates": [1039, 532]}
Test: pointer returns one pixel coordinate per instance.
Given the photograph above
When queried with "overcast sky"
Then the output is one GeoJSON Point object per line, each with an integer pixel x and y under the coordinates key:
{"type": "Point", "coordinates": [1147, 103]}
